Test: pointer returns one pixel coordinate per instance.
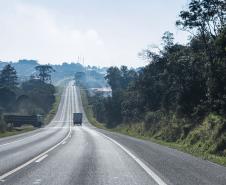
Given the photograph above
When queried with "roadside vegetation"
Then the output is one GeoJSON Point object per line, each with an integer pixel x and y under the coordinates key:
{"type": "Point", "coordinates": [138, 130]}
{"type": "Point", "coordinates": [179, 98]}
{"type": "Point", "coordinates": [88, 109]}
{"type": "Point", "coordinates": [31, 97]}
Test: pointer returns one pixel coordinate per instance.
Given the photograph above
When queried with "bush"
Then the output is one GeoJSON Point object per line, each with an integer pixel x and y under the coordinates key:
{"type": "Point", "coordinates": [152, 119]}
{"type": "Point", "coordinates": [171, 133]}
{"type": "Point", "coordinates": [2, 124]}
{"type": "Point", "coordinates": [210, 136]}
{"type": "Point", "coordinates": [40, 96]}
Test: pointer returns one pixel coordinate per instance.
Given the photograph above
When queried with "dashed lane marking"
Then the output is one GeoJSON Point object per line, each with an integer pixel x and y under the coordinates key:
{"type": "Point", "coordinates": [2, 177]}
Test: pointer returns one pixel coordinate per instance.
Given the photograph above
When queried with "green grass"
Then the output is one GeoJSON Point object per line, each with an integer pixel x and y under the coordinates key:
{"type": "Point", "coordinates": [88, 110]}
{"type": "Point", "coordinates": [53, 111]}
{"type": "Point", "coordinates": [137, 130]}
{"type": "Point", "coordinates": [16, 131]}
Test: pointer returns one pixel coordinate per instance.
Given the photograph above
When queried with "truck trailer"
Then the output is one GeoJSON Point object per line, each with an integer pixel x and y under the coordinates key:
{"type": "Point", "coordinates": [19, 120]}
{"type": "Point", "coordinates": [77, 118]}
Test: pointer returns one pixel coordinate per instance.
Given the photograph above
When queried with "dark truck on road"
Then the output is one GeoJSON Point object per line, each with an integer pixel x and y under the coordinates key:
{"type": "Point", "coordinates": [77, 118]}
{"type": "Point", "coordinates": [19, 120]}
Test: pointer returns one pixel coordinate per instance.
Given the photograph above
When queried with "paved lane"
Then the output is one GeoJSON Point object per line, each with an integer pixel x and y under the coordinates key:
{"type": "Point", "coordinates": [17, 150]}
{"type": "Point", "coordinates": [93, 156]}
{"type": "Point", "coordinates": [87, 157]}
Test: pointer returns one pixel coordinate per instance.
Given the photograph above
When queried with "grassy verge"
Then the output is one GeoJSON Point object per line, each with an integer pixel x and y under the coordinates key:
{"type": "Point", "coordinates": [16, 131]}
{"type": "Point", "coordinates": [53, 111]}
{"type": "Point", "coordinates": [137, 130]}
{"type": "Point", "coordinates": [88, 110]}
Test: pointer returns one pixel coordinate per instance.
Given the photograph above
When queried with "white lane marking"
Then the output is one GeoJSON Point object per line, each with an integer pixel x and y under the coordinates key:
{"type": "Point", "coordinates": [37, 181]}
{"type": "Point", "coordinates": [58, 121]}
{"type": "Point", "coordinates": [2, 177]}
{"type": "Point", "coordinates": [59, 127]}
{"type": "Point", "coordinates": [63, 143]}
{"type": "Point", "coordinates": [44, 129]}
{"type": "Point", "coordinates": [151, 173]}
{"type": "Point", "coordinates": [41, 158]}
{"type": "Point", "coordinates": [20, 139]}
{"type": "Point", "coordinates": [144, 166]}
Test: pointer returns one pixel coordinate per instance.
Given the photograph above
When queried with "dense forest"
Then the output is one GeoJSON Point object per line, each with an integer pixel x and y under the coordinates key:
{"type": "Point", "coordinates": [180, 96]}
{"type": "Point", "coordinates": [31, 97]}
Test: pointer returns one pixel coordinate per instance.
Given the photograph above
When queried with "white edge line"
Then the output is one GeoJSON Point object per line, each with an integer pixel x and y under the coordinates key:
{"type": "Point", "coordinates": [19, 140]}
{"type": "Point", "coordinates": [34, 135]}
{"type": "Point", "coordinates": [41, 158]}
{"type": "Point", "coordinates": [2, 177]}
{"type": "Point", "coordinates": [144, 166]}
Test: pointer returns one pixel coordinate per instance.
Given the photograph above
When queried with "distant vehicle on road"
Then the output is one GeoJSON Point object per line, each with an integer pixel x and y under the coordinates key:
{"type": "Point", "coordinates": [77, 118]}
{"type": "Point", "coordinates": [19, 120]}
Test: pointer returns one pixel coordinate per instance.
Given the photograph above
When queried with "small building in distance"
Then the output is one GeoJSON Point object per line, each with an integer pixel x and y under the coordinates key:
{"type": "Point", "coordinates": [104, 91]}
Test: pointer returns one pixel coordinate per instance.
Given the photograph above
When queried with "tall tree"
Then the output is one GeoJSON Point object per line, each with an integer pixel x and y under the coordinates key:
{"type": "Point", "coordinates": [44, 72]}
{"type": "Point", "coordinates": [205, 16]}
{"type": "Point", "coordinates": [113, 78]}
{"type": "Point", "coordinates": [8, 77]}
{"type": "Point", "coordinates": [168, 40]}
{"type": "Point", "coordinates": [205, 19]}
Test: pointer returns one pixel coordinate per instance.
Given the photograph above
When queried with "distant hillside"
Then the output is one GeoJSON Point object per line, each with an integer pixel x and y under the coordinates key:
{"type": "Point", "coordinates": [25, 68]}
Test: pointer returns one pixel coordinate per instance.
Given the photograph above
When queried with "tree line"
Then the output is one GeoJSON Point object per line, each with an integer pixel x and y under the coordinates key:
{"type": "Point", "coordinates": [34, 96]}
{"type": "Point", "coordinates": [180, 86]}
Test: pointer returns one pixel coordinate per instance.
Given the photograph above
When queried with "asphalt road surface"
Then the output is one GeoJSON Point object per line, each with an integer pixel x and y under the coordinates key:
{"type": "Point", "coordinates": [63, 154]}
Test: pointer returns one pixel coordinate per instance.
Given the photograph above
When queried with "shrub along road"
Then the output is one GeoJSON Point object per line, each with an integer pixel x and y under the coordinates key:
{"type": "Point", "coordinates": [93, 156]}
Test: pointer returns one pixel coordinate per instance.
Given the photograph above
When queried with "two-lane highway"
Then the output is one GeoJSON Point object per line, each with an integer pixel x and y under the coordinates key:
{"type": "Point", "coordinates": [84, 155]}
{"type": "Point", "coordinates": [87, 157]}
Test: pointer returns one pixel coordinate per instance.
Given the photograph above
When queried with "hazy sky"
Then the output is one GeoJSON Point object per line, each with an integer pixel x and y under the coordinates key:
{"type": "Point", "coordinates": [105, 32]}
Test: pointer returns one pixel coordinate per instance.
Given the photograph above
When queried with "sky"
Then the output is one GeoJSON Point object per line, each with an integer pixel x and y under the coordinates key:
{"type": "Point", "coordinates": [95, 32]}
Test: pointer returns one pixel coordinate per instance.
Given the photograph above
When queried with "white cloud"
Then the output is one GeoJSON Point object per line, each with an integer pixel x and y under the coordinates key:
{"type": "Point", "coordinates": [31, 31]}
{"type": "Point", "coordinates": [106, 33]}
